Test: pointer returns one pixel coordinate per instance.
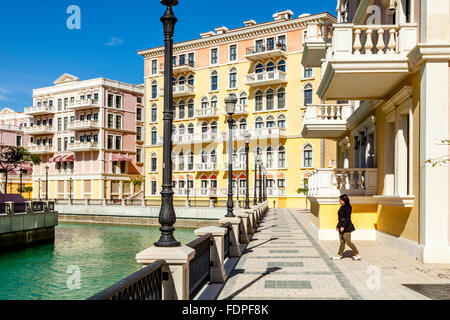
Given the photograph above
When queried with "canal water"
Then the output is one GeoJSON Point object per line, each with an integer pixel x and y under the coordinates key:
{"type": "Point", "coordinates": [102, 254]}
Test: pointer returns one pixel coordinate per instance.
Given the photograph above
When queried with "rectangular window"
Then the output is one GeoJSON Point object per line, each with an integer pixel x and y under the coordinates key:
{"type": "Point", "coordinates": [154, 164]}
{"type": "Point", "coordinates": [119, 102]}
{"type": "Point", "coordinates": [119, 122]}
{"type": "Point", "coordinates": [190, 110]}
{"type": "Point", "coordinates": [154, 67]}
{"type": "Point", "coordinates": [270, 44]}
{"type": "Point", "coordinates": [95, 116]}
{"type": "Point", "coordinates": [154, 91]}
{"type": "Point", "coordinates": [59, 124]}
{"type": "Point", "coordinates": [182, 60]}
{"type": "Point", "coordinates": [233, 80]}
{"type": "Point", "coordinates": [18, 141]}
{"type": "Point", "coordinates": [66, 123]}
{"type": "Point", "coordinates": [191, 59]}
{"type": "Point", "coordinates": [259, 102]}
{"type": "Point", "coordinates": [110, 121]}
{"type": "Point", "coordinates": [110, 142]}
{"type": "Point", "coordinates": [138, 155]}
{"type": "Point", "coordinates": [214, 56]}
{"type": "Point", "coordinates": [308, 73]}
{"type": "Point", "coordinates": [139, 114]}
{"type": "Point", "coordinates": [96, 96]}
{"type": "Point", "coordinates": [154, 137]}
{"type": "Point", "coordinates": [110, 100]}
{"type": "Point", "coordinates": [153, 187]}
{"type": "Point", "coordinates": [59, 144]}
{"type": "Point", "coordinates": [282, 42]}
{"type": "Point", "coordinates": [95, 138]}
{"type": "Point", "coordinates": [154, 114]}
{"type": "Point", "coordinates": [66, 102]}
{"type": "Point", "coordinates": [233, 52]}
{"type": "Point", "coordinates": [139, 133]}
{"type": "Point", "coordinates": [118, 143]}
{"type": "Point", "coordinates": [66, 142]}
{"type": "Point", "coordinates": [281, 183]}
{"type": "Point", "coordinates": [259, 46]}
{"type": "Point", "coordinates": [214, 83]}
{"type": "Point", "coordinates": [59, 104]}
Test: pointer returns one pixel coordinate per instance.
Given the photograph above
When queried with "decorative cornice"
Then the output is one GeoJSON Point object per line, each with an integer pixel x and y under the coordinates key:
{"type": "Point", "coordinates": [428, 51]}
{"type": "Point", "coordinates": [241, 34]}
{"type": "Point", "coordinates": [398, 99]}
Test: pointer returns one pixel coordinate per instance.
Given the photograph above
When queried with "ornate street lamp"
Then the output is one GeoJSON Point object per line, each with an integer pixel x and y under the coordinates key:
{"type": "Point", "coordinates": [260, 180]}
{"type": "Point", "coordinates": [20, 183]}
{"type": "Point", "coordinates": [255, 198]}
{"type": "Point", "coordinates": [39, 189]}
{"type": "Point", "coordinates": [265, 185]}
{"type": "Point", "coordinates": [46, 182]}
{"type": "Point", "coordinates": [230, 105]}
{"type": "Point", "coordinates": [247, 149]}
{"type": "Point", "coordinates": [167, 217]}
{"type": "Point", "coordinates": [70, 188]}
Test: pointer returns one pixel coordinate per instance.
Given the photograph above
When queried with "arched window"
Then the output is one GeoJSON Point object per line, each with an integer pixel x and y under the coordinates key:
{"type": "Point", "coordinates": [258, 100]}
{"type": "Point", "coordinates": [190, 129]}
{"type": "Point", "coordinates": [259, 123]}
{"type": "Point", "coordinates": [191, 109]}
{"type": "Point", "coordinates": [154, 135]}
{"type": "Point", "coordinates": [154, 90]}
{"type": "Point", "coordinates": [214, 81]}
{"type": "Point", "coordinates": [205, 103]}
{"type": "Point", "coordinates": [281, 121]}
{"type": "Point", "coordinates": [181, 129]}
{"type": "Point", "coordinates": [270, 67]}
{"type": "Point", "coordinates": [281, 157]}
{"type": "Point", "coordinates": [182, 109]}
{"type": "Point", "coordinates": [259, 68]}
{"type": "Point", "coordinates": [181, 161]}
{"type": "Point", "coordinates": [191, 80]}
{"type": "Point", "coordinates": [243, 99]}
{"type": "Point", "coordinates": [270, 103]}
{"type": "Point", "coordinates": [154, 113]}
{"type": "Point", "coordinates": [204, 127]}
{"type": "Point", "coordinates": [282, 65]}
{"type": "Point", "coordinates": [213, 156]}
{"type": "Point", "coordinates": [307, 94]}
{"type": "Point", "coordinates": [214, 102]}
{"type": "Point", "coordinates": [232, 78]}
{"type": "Point", "coordinates": [243, 124]}
{"type": "Point", "coordinates": [190, 160]}
{"type": "Point", "coordinates": [269, 157]}
{"type": "Point", "coordinates": [270, 123]}
{"type": "Point", "coordinates": [281, 98]}
{"type": "Point", "coordinates": [308, 156]}
{"type": "Point", "coordinates": [182, 80]}
{"type": "Point", "coordinates": [214, 127]}
{"type": "Point", "coordinates": [153, 162]}
{"type": "Point", "coordinates": [204, 156]}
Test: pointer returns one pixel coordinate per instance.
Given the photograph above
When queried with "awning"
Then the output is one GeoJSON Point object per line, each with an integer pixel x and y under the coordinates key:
{"type": "Point", "coordinates": [270, 176]}
{"type": "Point", "coordinates": [281, 176]}
{"type": "Point", "coordinates": [58, 159]}
{"type": "Point", "coordinates": [213, 177]}
{"type": "Point", "coordinates": [242, 177]}
{"type": "Point", "coordinates": [120, 157]}
{"type": "Point", "coordinates": [68, 158]}
{"type": "Point", "coordinates": [204, 178]}
{"type": "Point", "coordinates": [126, 159]}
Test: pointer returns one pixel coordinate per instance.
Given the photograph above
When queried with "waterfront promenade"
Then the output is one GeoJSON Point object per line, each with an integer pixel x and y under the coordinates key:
{"type": "Point", "coordinates": [283, 261]}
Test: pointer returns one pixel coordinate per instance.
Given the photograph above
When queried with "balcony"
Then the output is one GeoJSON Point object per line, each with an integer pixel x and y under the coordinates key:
{"type": "Point", "coordinates": [366, 62]}
{"type": "Point", "coordinates": [266, 78]}
{"type": "Point", "coordinates": [41, 150]}
{"type": "Point", "coordinates": [241, 109]}
{"type": "Point", "coordinates": [183, 90]}
{"type": "Point", "coordinates": [207, 166]}
{"type": "Point", "coordinates": [206, 113]}
{"type": "Point", "coordinates": [237, 166]}
{"type": "Point", "coordinates": [39, 130]}
{"type": "Point", "coordinates": [274, 51]}
{"type": "Point", "coordinates": [318, 38]}
{"type": "Point", "coordinates": [84, 125]}
{"type": "Point", "coordinates": [276, 192]}
{"type": "Point", "coordinates": [334, 182]}
{"type": "Point", "coordinates": [326, 120]}
{"type": "Point", "coordinates": [268, 133]}
{"type": "Point", "coordinates": [83, 146]}
{"type": "Point", "coordinates": [238, 135]}
{"type": "Point", "coordinates": [183, 138]}
{"type": "Point", "coordinates": [181, 67]}
{"type": "Point", "coordinates": [83, 104]}
{"type": "Point", "coordinates": [39, 111]}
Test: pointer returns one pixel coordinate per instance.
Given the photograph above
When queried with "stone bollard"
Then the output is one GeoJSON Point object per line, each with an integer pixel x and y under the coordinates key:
{"type": "Point", "coordinates": [211, 203]}
{"type": "Point", "coordinates": [256, 215]}
{"type": "Point", "coordinates": [235, 250]}
{"type": "Point", "coordinates": [244, 227]}
{"type": "Point", "coordinates": [124, 202]}
{"type": "Point", "coordinates": [176, 267]}
{"type": "Point", "coordinates": [217, 269]}
{"type": "Point", "coordinates": [251, 221]}
{"type": "Point", "coordinates": [70, 201]}
{"type": "Point", "coordinates": [187, 203]}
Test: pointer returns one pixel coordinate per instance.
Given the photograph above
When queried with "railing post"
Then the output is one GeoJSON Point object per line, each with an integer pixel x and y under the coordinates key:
{"type": "Point", "coordinates": [29, 207]}
{"type": "Point", "coordinates": [245, 227]}
{"type": "Point", "coordinates": [251, 221]}
{"type": "Point", "coordinates": [217, 268]}
{"type": "Point", "coordinates": [175, 269]}
{"type": "Point", "coordinates": [235, 250]}
{"type": "Point", "coordinates": [9, 208]}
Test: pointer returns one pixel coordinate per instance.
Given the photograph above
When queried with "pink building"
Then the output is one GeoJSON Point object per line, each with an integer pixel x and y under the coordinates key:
{"type": "Point", "coordinates": [88, 135]}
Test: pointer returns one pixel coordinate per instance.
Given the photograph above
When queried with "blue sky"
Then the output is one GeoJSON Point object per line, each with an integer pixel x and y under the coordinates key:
{"type": "Point", "coordinates": [37, 47]}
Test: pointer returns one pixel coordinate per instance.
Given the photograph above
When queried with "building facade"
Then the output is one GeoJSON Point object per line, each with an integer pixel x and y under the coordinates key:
{"type": "Point", "coordinates": [12, 126]}
{"type": "Point", "coordinates": [260, 64]}
{"type": "Point", "coordinates": [87, 134]}
{"type": "Point", "coordinates": [390, 61]}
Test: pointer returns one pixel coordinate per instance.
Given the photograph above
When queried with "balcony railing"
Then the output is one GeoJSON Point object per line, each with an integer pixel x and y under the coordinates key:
{"type": "Point", "coordinates": [240, 109]}
{"type": "Point", "coordinates": [83, 146]}
{"type": "Point", "coordinates": [206, 113]}
{"type": "Point", "coordinates": [318, 38]}
{"type": "Point", "coordinates": [83, 104]}
{"type": "Point", "coordinates": [326, 120]}
{"type": "Point", "coordinates": [237, 166]}
{"type": "Point", "coordinates": [183, 138]}
{"type": "Point", "coordinates": [83, 125]}
{"type": "Point", "coordinates": [266, 78]}
{"type": "Point", "coordinates": [276, 192]}
{"type": "Point", "coordinates": [268, 133]}
{"type": "Point", "coordinates": [180, 67]}
{"type": "Point", "coordinates": [37, 130]}
{"type": "Point", "coordinates": [40, 110]}
{"type": "Point", "coordinates": [9, 127]}
{"type": "Point", "coordinates": [334, 182]}
{"type": "Point", "coordinates": [207, 166]}
{"type": "Point", "coordinates": [269, 51]}
{"type": "Point", "coordinates": [34, 149]}
{"type": "Point", "coordinates": [182, 90]}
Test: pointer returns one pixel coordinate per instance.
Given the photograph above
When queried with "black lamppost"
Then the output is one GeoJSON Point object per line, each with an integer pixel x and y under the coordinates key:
{"type": "Point", "coordinates": [260, 180]}
{"type": "Point", "coordinates": [167, 217]}
{"type": "Point", "coordinates": [70, 188]}
{"type": "Point", "coordinates": [247, 149]}
{"type": "Point", "coordinates": [255, 198]}
{"type": "Point", "coordinates": [265, 186]}
{"type": "Point", "coordinates": [46, 182]}
{"type": "Point", "coordinates": [20, 183]}
{"type": "Point", "coordinates": [230, 105]}
{"type": "Point", "coordinates": [39, 194]}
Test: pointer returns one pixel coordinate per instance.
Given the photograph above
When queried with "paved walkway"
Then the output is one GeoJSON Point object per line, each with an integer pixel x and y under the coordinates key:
{"type": "Point", "coordinates": [283, 261]}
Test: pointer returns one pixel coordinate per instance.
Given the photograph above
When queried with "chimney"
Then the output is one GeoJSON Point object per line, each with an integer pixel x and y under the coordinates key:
{"type": "Point", "coordinates": [221, 30]}
{"type": "Point", "coordinates": [207, 34]}
{"type": "Point", "coordinates": [283, 15]}
{"type": "Point", "coordinates": [249, 23]}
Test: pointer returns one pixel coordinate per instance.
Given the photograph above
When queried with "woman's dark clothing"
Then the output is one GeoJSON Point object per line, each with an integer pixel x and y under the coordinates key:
{"type": "Point", "coordinates": [345, 221]}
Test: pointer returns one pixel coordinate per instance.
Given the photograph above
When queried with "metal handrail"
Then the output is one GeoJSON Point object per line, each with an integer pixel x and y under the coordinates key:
{"type": "Point", "coordinates": [145, 284]}
{"type": "Point", "coordinates": [226, 240]}
{"type": "Point", "coordinates": [199, 266]}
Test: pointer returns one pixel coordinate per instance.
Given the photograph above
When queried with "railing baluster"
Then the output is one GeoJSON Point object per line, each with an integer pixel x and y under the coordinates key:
{"type": "Point", "coordinates": [380, 45]}
{"type": "Point", "coordinates": [369, 43]}
{"type": "Point", "coordinates": [392, 42]}
{"type": "Point", "coordinates": [357, 44]}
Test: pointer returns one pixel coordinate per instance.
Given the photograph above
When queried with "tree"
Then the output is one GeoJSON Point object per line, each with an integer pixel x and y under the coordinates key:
{"type": "Point", "coordinates": [440, 160]}
{"type": "Point", "coordinates": [11, 158]}
{"type": "Point", "coordinates": [305, 192]}
{"type": "Point", "coordinates": [27, 189]}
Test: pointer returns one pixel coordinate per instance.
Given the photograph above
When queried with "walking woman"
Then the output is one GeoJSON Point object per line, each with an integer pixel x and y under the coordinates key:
{"type": "Point", "coordinates": [345, 228]}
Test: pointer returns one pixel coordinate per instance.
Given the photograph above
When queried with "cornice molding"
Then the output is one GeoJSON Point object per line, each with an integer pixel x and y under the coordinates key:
{"type": "Point", "coordinates": [428, 51]}
{"type": "Point", "coordinates": [399, 98]}
{"type": "Point", "coordinates": [240, 34]}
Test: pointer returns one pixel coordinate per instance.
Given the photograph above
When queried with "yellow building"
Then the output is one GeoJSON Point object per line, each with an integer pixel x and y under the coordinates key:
{"type": "Point", "coordinates": [261, 65]}
{"type": "Point", "coordinates": [390, 61]}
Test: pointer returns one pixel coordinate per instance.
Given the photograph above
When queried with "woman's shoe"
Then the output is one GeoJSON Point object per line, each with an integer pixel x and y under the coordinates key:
{"type": "Point", "coordinates": [356, 258]}
{"type": "Point", "coordinates": [336, 258]}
